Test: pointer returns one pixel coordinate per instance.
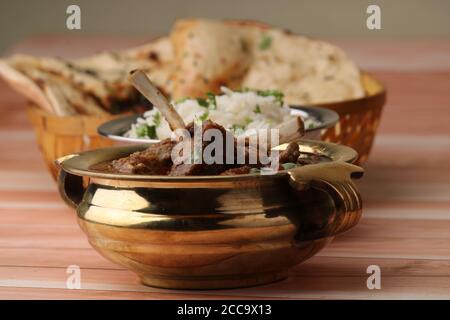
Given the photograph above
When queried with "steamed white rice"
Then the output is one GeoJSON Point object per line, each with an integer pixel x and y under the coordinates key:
{"type": "Point", "coordinates": [239, 112]}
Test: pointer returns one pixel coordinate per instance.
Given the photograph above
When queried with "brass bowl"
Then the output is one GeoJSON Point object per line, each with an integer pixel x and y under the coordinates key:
{"type": "Point", "coordinates": [211, 232]}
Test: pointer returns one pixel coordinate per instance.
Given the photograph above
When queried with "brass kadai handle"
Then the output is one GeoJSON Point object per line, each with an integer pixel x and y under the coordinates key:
{"type": "Point", "coordinates": [70, 186]}
{"type": "Point", "coordinates": [335, 179]}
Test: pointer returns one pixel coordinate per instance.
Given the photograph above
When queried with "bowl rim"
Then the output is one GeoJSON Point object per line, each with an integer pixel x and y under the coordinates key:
{"type": "Point", "coordinates": [80, 164]}
{"type": "Point", "coordinates": [115, 128]}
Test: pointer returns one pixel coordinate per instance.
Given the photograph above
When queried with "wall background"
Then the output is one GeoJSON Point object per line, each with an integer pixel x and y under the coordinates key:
{"type": "Point", "coordinates": [400, 18]}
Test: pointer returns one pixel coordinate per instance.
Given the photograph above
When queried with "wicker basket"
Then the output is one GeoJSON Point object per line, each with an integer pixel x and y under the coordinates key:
{"type": "Point", "coordinates": [59, 136]}
{"type": "Point", "coordinates": [359, 119]}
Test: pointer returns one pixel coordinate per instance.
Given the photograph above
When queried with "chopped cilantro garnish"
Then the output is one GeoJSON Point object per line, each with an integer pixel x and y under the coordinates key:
{"type": "Point", "coordinates": [203, 102]}
{"type": "Point", "coordinates": [255, 170]}
{"type": "Point", "coordinates": [212, 100]}
{"type": "Point", "coordinates": [204, 116]}
{"type": "Point", "coordinates": [157, 119]}
{"type": "Point", "coordinates": [244, 89]}
{"type": "Point", "coordinates": [265, 93]}
{"type": "Point", "coordinates": [146, 131]}
{"type": "Point", "coordinates": [288, 165]}
{"type": "Point", "coordinates": [237, 127]}
{"type": "Point", "coordinates": [257, 109]}
{"type": "Point", "coordinates": [182, 100]}
{"type": "Point", "coordinates": [275, 93]}
{"type": "Point", "coordinates": [265, 43]}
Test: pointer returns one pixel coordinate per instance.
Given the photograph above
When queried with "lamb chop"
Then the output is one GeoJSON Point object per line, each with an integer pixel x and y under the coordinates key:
{"type": "Point", "coordinates": [290, 154]}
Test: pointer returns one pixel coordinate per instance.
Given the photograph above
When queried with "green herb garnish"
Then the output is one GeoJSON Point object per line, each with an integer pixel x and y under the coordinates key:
{"type": "Point", "coordinates": [278, 95]}
{"type": "Point", "coordinates": [203, 102]}
{"type": "Point", "coordinates": [257, 109]}
{"type": "Point", "coordinates": [255, 170]}
{"type": "Point", "coordinates": [212, 100]}
{"type": "Point", "coordinates": [265, 43]}
{"type": "Point", "coordinates": [204, 116]}
{"type": "Point", "coordinates": [146, 131]}
{"type": "Point", "coordinates": [288, 165]}
{"type": "Point", "coordinates": [157, 119]}
{"type": "Point", "coordinates": [182, 100]}
{"type": "Point", "coordinates": [236, 127]}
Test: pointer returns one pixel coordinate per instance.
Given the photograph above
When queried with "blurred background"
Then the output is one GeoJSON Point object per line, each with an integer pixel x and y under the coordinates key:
{"type": "Point", "coordinates": [401, 18]}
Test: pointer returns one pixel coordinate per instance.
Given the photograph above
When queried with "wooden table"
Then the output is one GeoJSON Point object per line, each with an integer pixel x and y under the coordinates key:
{"type": "Point", "coordinates": [405, 227]}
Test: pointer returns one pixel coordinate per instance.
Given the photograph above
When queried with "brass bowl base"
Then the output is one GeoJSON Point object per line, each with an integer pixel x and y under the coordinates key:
{"type": "Point", "coordinates": [218, 282]}
{"type": "Point", "coordinates": [162, 268]}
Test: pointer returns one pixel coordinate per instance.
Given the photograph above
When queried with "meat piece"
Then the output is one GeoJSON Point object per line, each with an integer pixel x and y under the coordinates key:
{"type": "Point", "coordinates": [156, 160]}
{"type": "Point", "coordinates": [200, 169]}
{"type": "Point", "coordinates": [311, 158]}
{"type": "Point", "coordinates": [290, 154]}
{"type": "Point", "coordinates": [194, 169]}
{"type": "Point", "coordinates": [239, 170]}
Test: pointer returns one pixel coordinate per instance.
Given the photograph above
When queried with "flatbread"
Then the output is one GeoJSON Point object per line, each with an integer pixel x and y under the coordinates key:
{"type": "Point", "coordinates": [198, 57]}
{"type": "Point", "coordinates": [307, 71]}
{"type": "Point", "coordinates": [24, 85]}
{"type": "Point", "coordinates": [65, 99]}
{"type": "Point", "coordinates": [95, 85]}
{"type": "Point", "coordinates": [208, 55]}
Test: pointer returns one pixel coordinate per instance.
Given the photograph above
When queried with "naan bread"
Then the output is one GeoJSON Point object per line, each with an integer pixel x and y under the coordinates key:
{"type": "Point", "coordinates": [96, 85]}
{"type": "Point", "coordinates": [24, 85]}
{"type": "Point", "coordinates": [208, 55]}
{"type": "Point", "coordinates": [64, 99]}
{"type": "Point", "coordinates": [307, 71]}
{"type": "Point", "coordinates": [199, 57]}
